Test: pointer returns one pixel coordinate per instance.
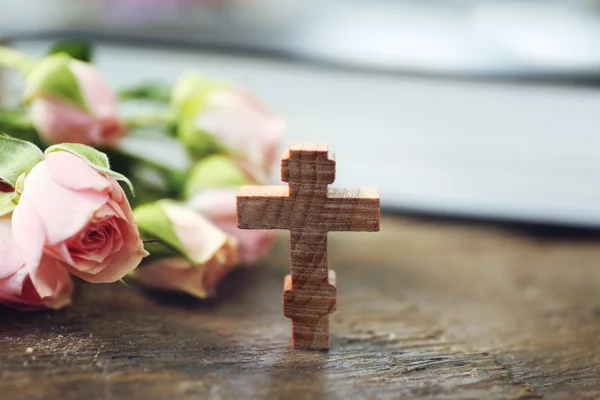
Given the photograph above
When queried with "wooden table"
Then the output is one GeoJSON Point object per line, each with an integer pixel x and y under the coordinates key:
{"type": "Point", "coordinates": [427, 310]}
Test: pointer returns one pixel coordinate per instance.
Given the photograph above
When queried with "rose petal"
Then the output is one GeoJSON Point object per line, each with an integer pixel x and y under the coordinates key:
{"type": "Point", "coordinates": [219, 206]}
{"type": "Point", "coordinates": [221, 264]}
{"type": "Point", "coordinates": [65, 212]}
{"type": "Point", "coordinates": [28, 298]}
{"type": "Point", "coordinates": [215, 203]}
{"type": "Point", "coordinates": [52, 283]}
{"type": "Point", "coordinates": [110, 209]}
{"type": "Point", "coordinates": [64, 288]}
{"type": "Point", "coordinates": [28, 233]}
{"type": "Point", "coordinates": [10, 261]}
{"type": "Point", "coordinates": [60, 251]}
{"type": "Point", "coordinates": [11, 287]}
{"type": "Point", "coordinates": [175, 274]}
{"type": "Point", "coordinates": [254, 244]}
{"type": "Point", "coordinates": [244, 125]}
{"type": "Point", "coordinates": [72, 173]}
{"type": "Point", "coordinates": [120, 263]}
{"type": "Point", "coordinates": [96, 90]}
{"type": "Point", "coordinates": [44, 284]}
{"type": "Point", "coordinates": [200, 238]}
{"type": "Point", "coordinates": [111, 129]}
{"type": "Point", "coordinates": [59, 122]}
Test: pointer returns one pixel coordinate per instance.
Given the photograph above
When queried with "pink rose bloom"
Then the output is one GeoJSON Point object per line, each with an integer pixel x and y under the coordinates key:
{"type": "Point", "coordinates": [45, 285]}
{"type": "Point", "coordinates": [79, 216]}
{"type": "Point", "coordinates": [219, 206]}
{"type": "Point", "coordinates": [243, 124]}
{"type": "Point", "coordinates": [58, 121]}
{"type": "Point", "coordinates": [211, 255]}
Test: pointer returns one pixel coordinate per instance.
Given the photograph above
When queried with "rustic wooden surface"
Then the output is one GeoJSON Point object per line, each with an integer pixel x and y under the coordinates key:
{"type": "Point", "coordinates": [309, 209]}
{"type": "Point", "coordinates": [426, 310]}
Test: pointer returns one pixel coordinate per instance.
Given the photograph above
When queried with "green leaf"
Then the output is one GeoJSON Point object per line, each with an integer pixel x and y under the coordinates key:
{"type": "Point", "coordinates": [212, 172]}
{"type": "Point", "coordinates": [152, 91]}
{"type": "Point", "coordinates": [96, 159]}
{"type": "Point", "coordinates": [52, 77]}
{"type": "Point", "coordinates": [78, 50]}
{"type": "Point", "coordinates": [7, 205]}
{"type": "Point", "coordinates": [176, 180]}
{"type": "Point", "coordinates": [17, 157]}
{"type": "Point", "coordinates": [153, 222]}
{"type": "Point", "coordinates": [16, 119]}
{"type": "Point", "coordinates": [18, 123]}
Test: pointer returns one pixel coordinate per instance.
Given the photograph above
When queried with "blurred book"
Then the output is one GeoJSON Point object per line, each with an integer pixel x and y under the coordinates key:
{"type": "Point", "coordinates": [533, 39]}
{"type": "Point", "coordinates": [484, 149]}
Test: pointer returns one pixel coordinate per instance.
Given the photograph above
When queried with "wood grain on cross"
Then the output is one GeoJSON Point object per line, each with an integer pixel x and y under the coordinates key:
{"type": "Point", "coordinates": [309, 209]}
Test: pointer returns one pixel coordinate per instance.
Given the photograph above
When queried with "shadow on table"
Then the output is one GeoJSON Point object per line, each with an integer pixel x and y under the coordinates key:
{"type": "Point", "coordinates": [239, 287]}
{"type": "Point", "coordinates": [233, 288]}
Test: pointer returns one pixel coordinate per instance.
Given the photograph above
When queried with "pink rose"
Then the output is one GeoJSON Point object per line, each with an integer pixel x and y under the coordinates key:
{"type": "Point", "coordinates": [219, 206]}
{"type": "Point", "coordinates": [58, 121]}
{"type": "Point", "coordinates": [45, 285]}
{"type": "Point", "coordinates": [210, 255]}
{"type": "Point", "coordinates": [244, 125]}
{"type": "Point", "coordinates": [79, 216]}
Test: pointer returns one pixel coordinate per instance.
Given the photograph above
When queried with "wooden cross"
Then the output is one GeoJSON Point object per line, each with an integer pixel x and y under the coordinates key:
{"type": "Point", "coordinates": [309, 209]}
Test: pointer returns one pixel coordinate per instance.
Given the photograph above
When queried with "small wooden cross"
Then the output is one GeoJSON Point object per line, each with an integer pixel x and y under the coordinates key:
{"type": "Point", "coordinates": [309, 209]}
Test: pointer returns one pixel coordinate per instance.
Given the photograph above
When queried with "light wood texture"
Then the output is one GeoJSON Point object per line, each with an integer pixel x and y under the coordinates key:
{"type": "Point", "coordinates": [309, 209]}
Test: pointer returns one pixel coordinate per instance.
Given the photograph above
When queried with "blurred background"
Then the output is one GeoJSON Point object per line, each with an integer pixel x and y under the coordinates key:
{"type": "Point", "coordinates": [485, 109]}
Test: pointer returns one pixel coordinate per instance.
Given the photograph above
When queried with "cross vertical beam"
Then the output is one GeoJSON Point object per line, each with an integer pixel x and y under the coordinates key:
{"type": "Point", "coordinates": [309, 209]}
{"type": "Point", "coordinates": [309, 296]}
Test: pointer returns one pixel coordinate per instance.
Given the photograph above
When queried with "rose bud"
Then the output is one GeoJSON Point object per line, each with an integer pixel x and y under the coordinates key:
{"type": "Point", "coordinates": [218, 205]}
{"type": "Point", "coordinates": [215, 117]}
{"type": "Point", "coordinates": [78, 215]}
{"type": "Point", "coordinates": [46, 285]}
{"type": "Point", "coordinates": [71, 102]}
{"type": "Point", "coordinates": [188, 254]}
{"type": "Point", "coordinates": [211, 190]}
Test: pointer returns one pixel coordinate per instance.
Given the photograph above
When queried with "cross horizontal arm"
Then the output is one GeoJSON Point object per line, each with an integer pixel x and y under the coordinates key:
{"type": "Point", "coordinates": [352, 210]}
{"type": "Point", "coordinates": [269, 207]}
{"type": "Point", "coordinates": [260, 207]}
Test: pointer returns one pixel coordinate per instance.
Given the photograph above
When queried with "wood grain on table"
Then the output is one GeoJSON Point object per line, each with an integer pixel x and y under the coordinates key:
{"type": "Point", "coordinates": [426, 310]}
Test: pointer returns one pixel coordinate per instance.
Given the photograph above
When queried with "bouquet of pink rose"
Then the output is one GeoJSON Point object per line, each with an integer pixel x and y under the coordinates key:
{"type": "Point", "coordinates": [63, 211]}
